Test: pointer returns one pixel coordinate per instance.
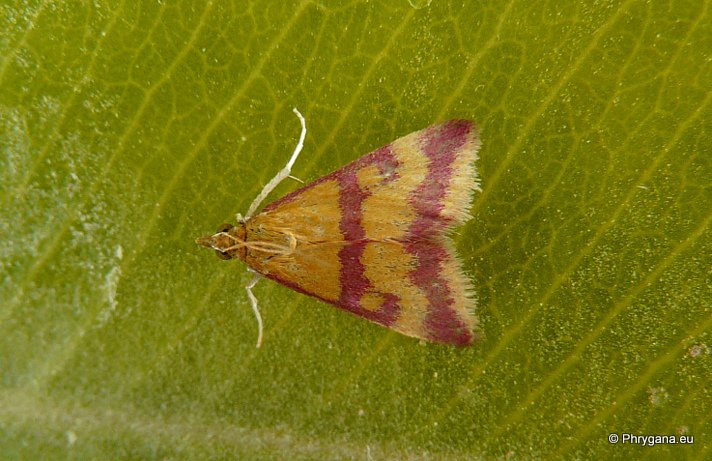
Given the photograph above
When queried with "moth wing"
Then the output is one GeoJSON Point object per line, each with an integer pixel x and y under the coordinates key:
{"type": "Point", "coordinates": [418, 186]}
{"type": "Point", "coordinates": [417, 289]}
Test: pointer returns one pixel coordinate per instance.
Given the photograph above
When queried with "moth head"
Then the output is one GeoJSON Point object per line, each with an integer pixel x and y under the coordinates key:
{"type": "Point", "coordinates": [226, 241]}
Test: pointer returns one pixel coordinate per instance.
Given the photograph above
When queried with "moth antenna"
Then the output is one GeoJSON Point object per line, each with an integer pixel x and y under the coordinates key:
{"type": "Point", "coordinates": [268, 247]}
{"type": "Point", "coordinates": [253, 301]}
{"type": "Point", "coordinates": [283, 173]}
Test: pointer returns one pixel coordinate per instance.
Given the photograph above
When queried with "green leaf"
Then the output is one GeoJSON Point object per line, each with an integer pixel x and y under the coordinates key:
{"type": "Point", "coordinates": [131, 128]}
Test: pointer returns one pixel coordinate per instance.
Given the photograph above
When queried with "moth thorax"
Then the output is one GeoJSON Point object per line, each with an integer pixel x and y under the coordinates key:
{"type": "Point", "coordinates": [267, 241]}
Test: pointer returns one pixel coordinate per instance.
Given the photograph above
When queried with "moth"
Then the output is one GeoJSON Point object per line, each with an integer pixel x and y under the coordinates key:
{"type": "Point", "coordinates": [372, 238]}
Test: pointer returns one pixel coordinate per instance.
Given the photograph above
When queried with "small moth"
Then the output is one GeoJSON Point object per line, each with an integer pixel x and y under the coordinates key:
{"type": "Point", "coordinates": [372, 237]}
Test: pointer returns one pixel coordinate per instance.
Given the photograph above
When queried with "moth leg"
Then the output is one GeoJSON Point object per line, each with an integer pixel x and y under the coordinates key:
{"type": "Point", "coordinates": [283, 173]}
{"type": "Point", "coordinates": [253, 301]}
